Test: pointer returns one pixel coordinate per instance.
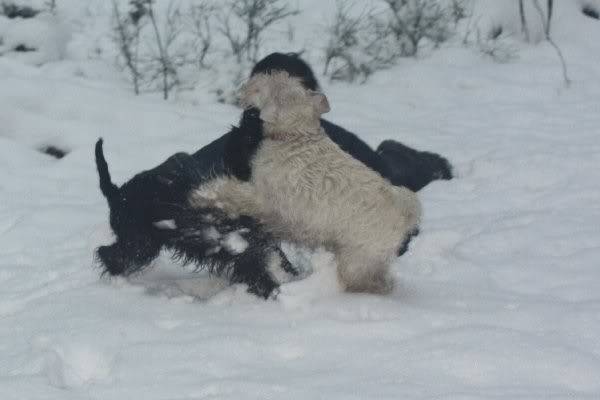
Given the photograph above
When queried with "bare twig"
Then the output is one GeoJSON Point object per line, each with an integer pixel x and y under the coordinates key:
{"type": "Point", "coordinates": [168, 72]}
{"type": "Point", "coordinates": [546, 24]}
{"type": "Point", "coordinates": [550, 4]}
{"type": "Point", "coordinates": [413, 21]}
{"type": "Point", "coordinates": [126, 41]}
{"type": "Point", "coordinates": [199, 20]}
{"type": "Point", "coordinates": [254, 17]}
{"type": "Point", "coordinates": [156, 46]}
{"type": "Point", "coordinates": [524, 27]}
{"type": "Point", "coordinates": [362, 43]}
{"type": "Point", "coordinates": [50, 5]}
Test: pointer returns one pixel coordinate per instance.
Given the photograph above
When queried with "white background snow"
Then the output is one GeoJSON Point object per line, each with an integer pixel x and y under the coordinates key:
{"type": "Point", "coordinates": [498, 298]}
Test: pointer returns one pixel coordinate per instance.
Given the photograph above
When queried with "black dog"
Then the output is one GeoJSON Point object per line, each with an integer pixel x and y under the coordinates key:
{"type": "Point", "coordinates": [160, 194]}
{"type": "Point", "coordinates": [149, 213]}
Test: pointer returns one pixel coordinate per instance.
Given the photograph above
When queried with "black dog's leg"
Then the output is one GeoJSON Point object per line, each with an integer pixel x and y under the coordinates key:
{"type": "Point", "coordinates": [286, 265]}
{"type": "Point", "coordinates": [404, 245]}
{"type": "Point", "coordinates": [411, 168]}
{"type": "Point", "coordinates": [236, 248]}
{"type": "Point", "coordinates": [251, 268]}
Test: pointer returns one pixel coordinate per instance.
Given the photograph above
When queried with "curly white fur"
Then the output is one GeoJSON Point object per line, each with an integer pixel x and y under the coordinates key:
{"type": "Point", "coordinates": [305, 189]}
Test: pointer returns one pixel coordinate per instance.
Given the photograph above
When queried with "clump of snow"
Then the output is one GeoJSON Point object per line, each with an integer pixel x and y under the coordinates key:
{"type": "Point", "coordinates": [320, 283]}
{"type": "Point", "coordinates": [75, 365]}
{"type": "Point", "coordinates": [235, 242]}
{"type": "Point", "coordinates": [212, 233]}
{"type": "Point", "coordinates": [34, 41]}
{"type": "Point", "coordinates": [165, 224]}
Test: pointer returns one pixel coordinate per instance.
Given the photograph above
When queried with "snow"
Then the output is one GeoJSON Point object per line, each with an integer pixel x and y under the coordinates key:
{"type": "Point", "coordinates": [165, 224]}
{"type": "Point", "coordinates": [235, 242]}
{"type": "Point", "coordinates": [44, 36]}
{"type": "Point", "coordinates": [497, 298]}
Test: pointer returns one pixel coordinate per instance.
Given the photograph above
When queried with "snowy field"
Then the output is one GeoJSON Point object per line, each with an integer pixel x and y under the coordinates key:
{"type": "Point", "coordinates": [498, 298]}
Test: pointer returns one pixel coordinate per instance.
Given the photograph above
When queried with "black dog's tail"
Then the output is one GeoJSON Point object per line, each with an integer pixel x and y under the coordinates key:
{"type": "Point", "coordinates": [109, 189]}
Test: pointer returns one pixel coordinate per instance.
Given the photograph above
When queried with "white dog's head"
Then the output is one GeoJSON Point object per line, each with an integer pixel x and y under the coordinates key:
{"type": "Point", "coordinates": [285, 105]}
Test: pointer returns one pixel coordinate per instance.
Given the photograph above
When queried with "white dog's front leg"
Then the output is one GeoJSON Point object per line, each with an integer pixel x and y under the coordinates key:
{"type": "Point", "coordinates": [228, 194]}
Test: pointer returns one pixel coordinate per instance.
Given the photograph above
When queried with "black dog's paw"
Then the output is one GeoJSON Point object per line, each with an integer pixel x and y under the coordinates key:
{"type": "Point", "coordinates": [443, 169]}
{"type": "Point", "coordinates": [411, 168]}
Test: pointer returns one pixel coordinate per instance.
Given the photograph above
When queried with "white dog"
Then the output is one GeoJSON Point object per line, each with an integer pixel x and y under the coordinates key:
{"type": "Point", "coordinates": [305, 189]}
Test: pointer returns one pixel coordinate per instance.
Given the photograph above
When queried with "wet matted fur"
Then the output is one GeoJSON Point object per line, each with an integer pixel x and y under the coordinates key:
{"type": "Point", "coordinates": [305, 189]}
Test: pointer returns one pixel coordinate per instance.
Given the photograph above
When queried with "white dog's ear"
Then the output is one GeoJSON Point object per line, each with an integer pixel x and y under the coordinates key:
{"type": "Point", "coordinates": [250, 94]}
{"type": "Point", "coordinates": [321, 103]}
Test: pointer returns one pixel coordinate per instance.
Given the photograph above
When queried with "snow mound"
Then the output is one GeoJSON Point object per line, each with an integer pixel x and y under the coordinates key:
{"type": "Point", "coordinates": [34, 41]}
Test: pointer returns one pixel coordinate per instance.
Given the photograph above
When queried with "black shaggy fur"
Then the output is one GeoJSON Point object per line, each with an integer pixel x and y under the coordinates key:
{"type": "Point", "coordinates": [150, 196]}
{"type": "Point", "coordinates": [149, 213]}
{"type": "Point", "coordinates": [241, 145]}
{"type": "Point", "coordinates": [200, 236]}
{"type": "Point", "coordinates": [412, 168]}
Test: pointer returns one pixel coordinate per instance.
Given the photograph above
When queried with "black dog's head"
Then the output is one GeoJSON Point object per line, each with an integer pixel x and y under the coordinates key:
{"type": "Point", "coordinates": [124, 258]}
{"type": "Point", "coordinates": [290, 63]}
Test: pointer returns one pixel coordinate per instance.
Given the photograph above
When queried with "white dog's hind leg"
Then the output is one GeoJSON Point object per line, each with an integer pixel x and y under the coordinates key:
{"type": "Point", "coordinates": [360, 273]}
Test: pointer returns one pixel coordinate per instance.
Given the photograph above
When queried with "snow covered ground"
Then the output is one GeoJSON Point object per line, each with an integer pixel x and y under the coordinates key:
{"type": "Point", "coordinates": [498, 298]}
